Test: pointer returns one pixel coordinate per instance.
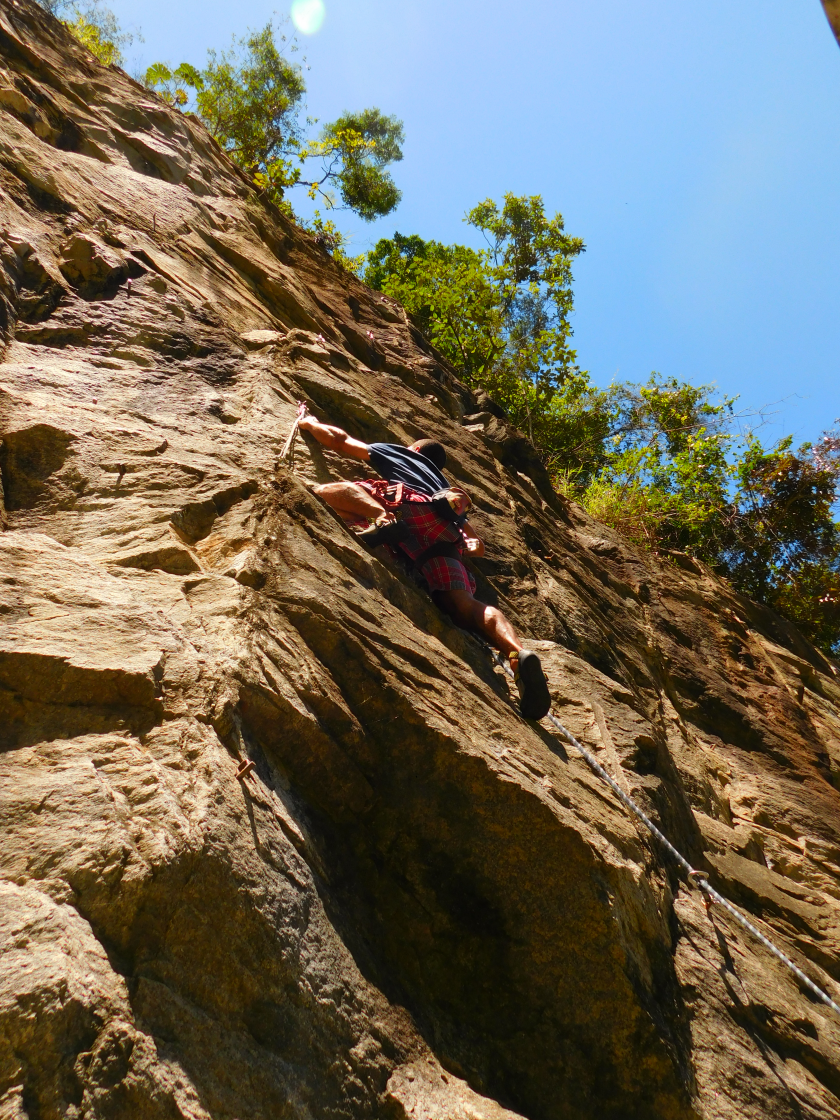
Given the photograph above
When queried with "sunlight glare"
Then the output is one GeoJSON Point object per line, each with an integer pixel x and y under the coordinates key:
{"type": "Point", "coordinates": [308, 15]}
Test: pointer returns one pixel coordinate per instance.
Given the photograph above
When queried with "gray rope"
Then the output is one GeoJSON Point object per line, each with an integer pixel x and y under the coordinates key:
{"type": "Point", "coordinates": [696, 879]}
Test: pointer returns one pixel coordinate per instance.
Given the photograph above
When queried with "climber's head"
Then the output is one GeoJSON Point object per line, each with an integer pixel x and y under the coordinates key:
{"type": "Point", "coordinates": [435, 452]}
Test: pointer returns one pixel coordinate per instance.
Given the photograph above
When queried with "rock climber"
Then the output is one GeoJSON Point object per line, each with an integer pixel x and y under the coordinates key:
{"type": "Point", "coordinates": [414, 509]}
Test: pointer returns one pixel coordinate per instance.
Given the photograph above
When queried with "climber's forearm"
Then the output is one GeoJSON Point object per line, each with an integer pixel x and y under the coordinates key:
{"type": "Point", "coordinates": [327, 434]}
{"type": "Point", "coordinates": [336, 439]}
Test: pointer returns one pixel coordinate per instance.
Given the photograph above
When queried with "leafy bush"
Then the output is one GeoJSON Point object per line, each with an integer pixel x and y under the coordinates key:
{"type": "Point", "coordinates": [92, 37]}
{"type": "Point", "coordinates": [95, 26]}
{"type": "Point", "coordinates": [785, 547]}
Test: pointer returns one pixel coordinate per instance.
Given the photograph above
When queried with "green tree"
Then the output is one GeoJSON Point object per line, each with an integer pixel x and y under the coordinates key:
{"type": "Point", "coordinates": [92, 37]}
{"type": "Point", "coordinates": [450, 293]}
{"type": "Point", "coordinates": [676, 475]}
{"type": "Point", "coordinates": [531, 259]}
{"type": "Point", "coordinates": [664, 474]}
{"type": "Point", "coordinates": [250, 98]}
{"type": "Point", "coordinates": [501, 316]}
{"type": "Point", "coordinates": [785, 547]}
{"type": "Point", "coordinates": [356, 151]}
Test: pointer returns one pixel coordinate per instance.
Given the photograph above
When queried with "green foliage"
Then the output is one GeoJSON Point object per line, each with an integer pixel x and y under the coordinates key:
{"type": "Point", "coordinates": [530, 260]}
{"type": "Point", "coordinates": [96, 27]}
{"type": "Point", "coordinates": [664, 474]}
{"type": "Point", "coordinates": [449, 292]}
{"type": "Point", "coordinates": [90, 36]}
{"type": "Point", "coordinates": [329, 237]}
{"type": "Point", "coordinates": [501, 316]}
{"type": "Point", "coordinates": [355, 151]}
{"type": "Point", "coordinates": [786, 547]}
{"type": "Point", "coordinates": [676, 475]}
{"type": "Point", "coordinates": [172, 85]}
{"type": "Point", "coordinates": [250, 98]}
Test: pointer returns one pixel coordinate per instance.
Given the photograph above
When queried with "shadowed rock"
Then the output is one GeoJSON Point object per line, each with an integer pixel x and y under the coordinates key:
{"type": "Point", "coordinates": [91, 267]}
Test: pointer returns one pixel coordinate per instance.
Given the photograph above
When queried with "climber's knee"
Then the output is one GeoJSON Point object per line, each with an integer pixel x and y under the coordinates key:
{"type": "Point", "coordinates": [340, 495]}
{"type": "Point", "coordinates": [349, 500]}
{"type": "Point", "coordinates": [327, 490]}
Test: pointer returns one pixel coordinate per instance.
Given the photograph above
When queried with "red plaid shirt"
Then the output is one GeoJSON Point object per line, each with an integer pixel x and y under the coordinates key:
{"type": "Point", "coordinates": [442, 573]}
{"type": "Point", "coordinates": [426, 525]}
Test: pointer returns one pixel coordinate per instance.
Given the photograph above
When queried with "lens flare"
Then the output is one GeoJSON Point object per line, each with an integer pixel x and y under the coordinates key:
{"type": "Point", "coordinates": [308, 15]}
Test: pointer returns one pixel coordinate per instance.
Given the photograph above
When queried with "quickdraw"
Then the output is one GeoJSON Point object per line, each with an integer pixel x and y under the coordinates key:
{"type": "Point", "coordinates": [288, 452]}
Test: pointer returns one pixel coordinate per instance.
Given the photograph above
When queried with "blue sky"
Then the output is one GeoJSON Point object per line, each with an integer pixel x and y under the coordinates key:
{"type": "Point", "coordinates": [695, 148]}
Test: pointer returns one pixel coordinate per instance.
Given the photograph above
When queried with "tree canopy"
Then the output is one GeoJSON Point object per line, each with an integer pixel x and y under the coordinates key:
{"type": "Point", "coordinates": [251, 96]}
{"type": "Point", "coordinates": [500, 313]}
{"type": "Point", "coordinates": [95, 26]}
{"type": "Point", "coordinates": [356, 149]}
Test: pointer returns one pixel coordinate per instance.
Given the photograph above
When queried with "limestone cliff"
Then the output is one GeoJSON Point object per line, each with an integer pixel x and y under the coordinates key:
{"type": "Point", "coordinates": [416, 905]}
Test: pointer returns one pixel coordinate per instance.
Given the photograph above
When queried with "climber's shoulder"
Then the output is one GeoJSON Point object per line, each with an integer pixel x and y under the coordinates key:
{"type": "Point", "coordinates": [403, 464]}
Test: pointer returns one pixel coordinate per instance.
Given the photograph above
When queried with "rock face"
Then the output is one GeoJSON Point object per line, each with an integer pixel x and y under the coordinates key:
{"type": "Point", "coordinates": [832, 10]}
{"type": "Point", "coordinates": [415, 905]}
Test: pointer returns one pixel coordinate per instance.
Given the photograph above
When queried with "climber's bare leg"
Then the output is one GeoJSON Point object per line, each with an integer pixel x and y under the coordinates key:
{"type": "Point", "coordinates": [534, 695]}
{"type": "Point", "coordinates": [471, 614]}
{"type": "Point", "coordinates": [351, 501]}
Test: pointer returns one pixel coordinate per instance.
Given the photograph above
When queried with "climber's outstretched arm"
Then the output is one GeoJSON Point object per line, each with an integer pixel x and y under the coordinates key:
{"type": "Point", "coordinates": [336, 439]}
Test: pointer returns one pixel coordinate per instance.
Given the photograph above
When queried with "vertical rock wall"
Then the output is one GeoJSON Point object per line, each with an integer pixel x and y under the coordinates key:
{"type": "Point", "coordinates": [416, 905]}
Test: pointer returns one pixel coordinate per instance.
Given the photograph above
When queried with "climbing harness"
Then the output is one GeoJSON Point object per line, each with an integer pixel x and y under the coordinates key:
{"type": "Point", "coordinates": [385, 532]}
{"type": "Point", "coordinates": [443, 548]}
{"type": "Point", "coordinates": [393, 499]}
{"type": "Point", "coordinates": [288, 452]}
{"type": "Point", "coordinates": [696, 879]}
{"type": "Point", "coordinates": [395, 532]}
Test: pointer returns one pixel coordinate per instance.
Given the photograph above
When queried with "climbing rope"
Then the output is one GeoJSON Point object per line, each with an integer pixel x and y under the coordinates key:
{"type": "Point", "coordinates": [288, 452]}
{"type": "Point", "coordinates": [697, 879]}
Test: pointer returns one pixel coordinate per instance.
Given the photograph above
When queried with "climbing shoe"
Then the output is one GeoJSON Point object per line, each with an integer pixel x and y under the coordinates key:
{"type": "Point", "coordinates": [534, 697]}
{"type": "Point", "coordinates": [392, 532]}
